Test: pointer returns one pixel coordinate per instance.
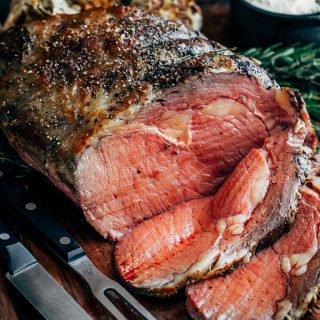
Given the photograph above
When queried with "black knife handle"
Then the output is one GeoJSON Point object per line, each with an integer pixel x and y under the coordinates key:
{"type": "Point", "coordinates": [18, 257]}
{"type": "Point", "coordinates": [37, 217]}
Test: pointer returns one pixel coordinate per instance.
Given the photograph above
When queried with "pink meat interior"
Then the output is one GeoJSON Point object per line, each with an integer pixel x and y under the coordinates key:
{"type": "Point", "coordinates": [180, 147]}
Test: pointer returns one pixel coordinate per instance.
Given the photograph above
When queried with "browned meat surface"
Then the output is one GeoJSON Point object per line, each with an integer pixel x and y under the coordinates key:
{"type": "Point", "coordinates": [131, 115]}
{"type": "Point", "coordinates": [279, 283]}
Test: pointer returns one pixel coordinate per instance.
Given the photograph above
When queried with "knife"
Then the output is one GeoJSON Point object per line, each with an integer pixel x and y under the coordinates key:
{"type": "Point", "coordinates": [35, 283]}
{"type": "Point", "coordinates": [36, 216]}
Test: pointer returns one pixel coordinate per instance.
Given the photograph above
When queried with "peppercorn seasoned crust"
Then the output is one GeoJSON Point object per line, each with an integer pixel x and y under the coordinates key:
{"type": "Point", "coordinates": [79, 76]}
{"type": "Point", "coordinates": [118, 108]}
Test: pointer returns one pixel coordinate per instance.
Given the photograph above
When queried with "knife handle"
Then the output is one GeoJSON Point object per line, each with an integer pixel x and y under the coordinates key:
{"type": "Point", "coordinates": [18, 257]}
{"type": "Point", "coordinates": [29, 210]}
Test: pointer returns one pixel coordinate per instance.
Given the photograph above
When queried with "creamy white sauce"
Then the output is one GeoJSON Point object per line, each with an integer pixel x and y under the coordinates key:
{"type": "Point", "coordinates": [292, 7]}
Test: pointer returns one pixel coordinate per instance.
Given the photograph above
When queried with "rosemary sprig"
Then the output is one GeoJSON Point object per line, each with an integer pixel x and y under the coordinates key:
{"type": "Point", "coordinates": [295, 66]}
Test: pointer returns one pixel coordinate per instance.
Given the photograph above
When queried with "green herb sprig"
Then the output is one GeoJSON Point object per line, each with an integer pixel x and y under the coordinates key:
{"type": "Point", "coordinates": [294, 66]}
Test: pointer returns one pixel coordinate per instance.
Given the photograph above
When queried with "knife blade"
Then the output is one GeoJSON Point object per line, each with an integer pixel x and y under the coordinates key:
{"type": "Point", "coordinates": [31, 212]}
{"type": "Point", "coordinates": [35, 283]}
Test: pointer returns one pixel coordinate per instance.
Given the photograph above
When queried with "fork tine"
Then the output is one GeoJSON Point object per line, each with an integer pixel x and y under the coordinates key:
{"type": "Point", "coordinates": [99, 284]}
{"type": "Point", "coordinates": [110, 307]}
{"type": "Point", "coordinates": [135, 304]}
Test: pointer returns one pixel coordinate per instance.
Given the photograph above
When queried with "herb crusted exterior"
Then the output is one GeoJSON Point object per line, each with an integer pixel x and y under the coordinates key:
{"type": "Point", "coordinates": [68, 80]}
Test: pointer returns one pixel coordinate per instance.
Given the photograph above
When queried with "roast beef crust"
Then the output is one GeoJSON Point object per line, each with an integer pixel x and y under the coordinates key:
{"type": "Point", "coordinates": [65, 81]}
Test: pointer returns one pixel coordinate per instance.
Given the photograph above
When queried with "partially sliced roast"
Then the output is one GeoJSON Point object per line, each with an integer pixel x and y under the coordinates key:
{"type": "Point", "coordinates": [130, 114]}
{"type": "Point", "coordinates": [279, 283]}
{"type": "Point", "coordinates": [181, 147]}
{"type": "Point", "coordinates": [204, 237]}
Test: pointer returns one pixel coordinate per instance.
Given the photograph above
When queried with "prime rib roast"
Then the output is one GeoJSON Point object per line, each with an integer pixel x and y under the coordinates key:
{"type": "Point", "coordinates": [190, 155]}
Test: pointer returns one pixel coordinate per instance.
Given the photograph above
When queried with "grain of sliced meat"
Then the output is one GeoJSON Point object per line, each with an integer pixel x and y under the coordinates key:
{"type": "Point", "coordinates": [280, 282]}
{"type": "Point", "coordinates": [205, 237]}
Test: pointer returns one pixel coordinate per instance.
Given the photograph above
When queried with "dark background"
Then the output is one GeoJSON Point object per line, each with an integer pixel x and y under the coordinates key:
{"type": "Point", "coordinates": [4, 5]}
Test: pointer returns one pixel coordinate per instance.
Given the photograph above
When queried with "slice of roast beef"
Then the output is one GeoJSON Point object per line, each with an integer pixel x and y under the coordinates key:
{"type": "Point", "coordinates": [278, 283]}
{"type": "Point", "coordinates": [130, 114]}
{"type": "Point", "coordinates": [204, 237]}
